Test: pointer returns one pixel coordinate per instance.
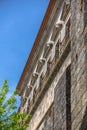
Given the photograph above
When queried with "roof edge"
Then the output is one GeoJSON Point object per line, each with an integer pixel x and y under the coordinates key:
{"type": "Point", "coordinates": [35, 46]}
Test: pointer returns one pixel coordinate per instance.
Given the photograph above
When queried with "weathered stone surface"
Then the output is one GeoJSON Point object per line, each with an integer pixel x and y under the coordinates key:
{"type": "Point", "coordinates": [78, 66]}
{"type": "Point", "coordinates": [62, 102]}
{"type": "Point", "coordinates": [61, 98]}
{"type": "Point", "coordinates": [48, 99]}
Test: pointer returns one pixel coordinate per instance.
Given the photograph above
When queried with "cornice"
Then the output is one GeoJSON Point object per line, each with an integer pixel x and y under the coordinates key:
{"type": "Point", "coordinates": [36, 43]}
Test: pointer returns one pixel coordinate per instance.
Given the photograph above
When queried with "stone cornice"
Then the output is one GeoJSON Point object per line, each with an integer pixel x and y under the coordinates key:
{"type": "Point", "coordinates": [36, 43]}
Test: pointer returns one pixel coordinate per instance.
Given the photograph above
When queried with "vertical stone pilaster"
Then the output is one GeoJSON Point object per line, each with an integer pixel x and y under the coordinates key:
{"type": "Point", "coordinates": [79, 64]}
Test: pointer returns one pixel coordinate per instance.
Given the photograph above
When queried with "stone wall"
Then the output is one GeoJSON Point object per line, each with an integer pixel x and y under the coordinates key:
{"type": "Point", "coordinates": [79, 65]}
{"type": "Point", "coordinates": [37, 121]}
{"type": "Point", "coordinates": [49, 120]}
{"type": "Point", "coordinates": [58, 116]}
{"type": "Point", "coordinates": [62, 106]}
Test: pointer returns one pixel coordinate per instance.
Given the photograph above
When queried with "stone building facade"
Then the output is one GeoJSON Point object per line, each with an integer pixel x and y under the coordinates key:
{"type": "Point", "coordinates": [53, 85]}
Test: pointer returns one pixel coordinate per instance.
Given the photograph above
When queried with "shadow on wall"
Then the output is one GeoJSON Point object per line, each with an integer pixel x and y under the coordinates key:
{"type": "Point", "coordinates": [84, 121]}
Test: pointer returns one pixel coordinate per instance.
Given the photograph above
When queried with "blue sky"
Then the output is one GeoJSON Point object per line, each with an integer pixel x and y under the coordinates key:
{"type": "Point", "coordinates": [20, 21]}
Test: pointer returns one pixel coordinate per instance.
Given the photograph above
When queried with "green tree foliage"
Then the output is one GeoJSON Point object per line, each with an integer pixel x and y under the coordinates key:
{"type": "Point", "coordinates": [10, 118]}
